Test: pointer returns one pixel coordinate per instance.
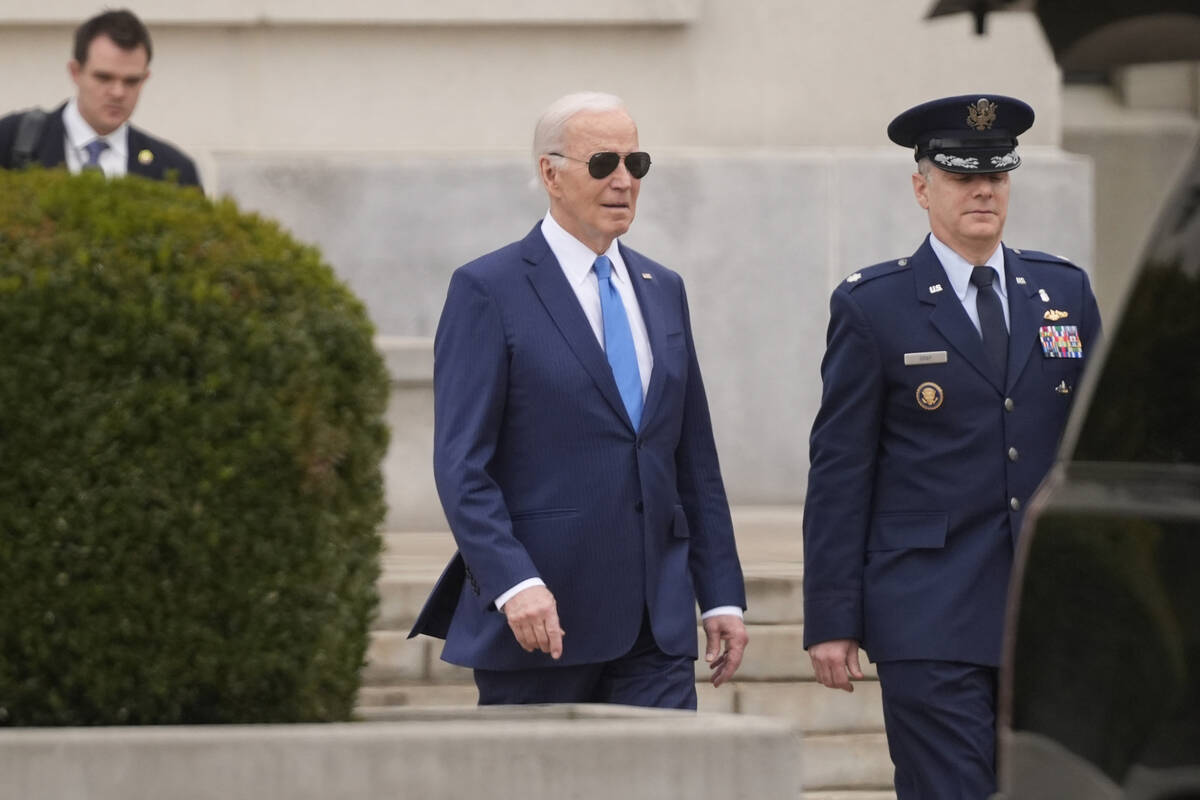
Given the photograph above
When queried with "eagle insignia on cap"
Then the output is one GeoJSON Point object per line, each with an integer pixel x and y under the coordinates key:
{"type": "Point", "coordinates": [981, 115]}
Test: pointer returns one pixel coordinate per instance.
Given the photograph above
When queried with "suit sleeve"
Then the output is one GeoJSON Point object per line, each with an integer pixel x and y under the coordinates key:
{"type": "Point", "coordinates": [470, 382]}
{"type": "Point", "coordinates": [842, 454]}
{"type": "Point", "coordinates": [188, 175]}
{"type": "Point", "coordinates": [8, 135]}
{"type": "Point", "coordinates": [713, 559]}
{"type": "Point", "coordinates": [1092, 328]}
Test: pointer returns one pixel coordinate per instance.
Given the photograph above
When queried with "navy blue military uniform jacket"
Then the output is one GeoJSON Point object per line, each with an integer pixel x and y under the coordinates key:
{"type": "Point", "coordinates": [50, 152]}
{"type": "Point", "coordinates": [542, 474]}
{"type": "Point", "coordinates": [922, 463]}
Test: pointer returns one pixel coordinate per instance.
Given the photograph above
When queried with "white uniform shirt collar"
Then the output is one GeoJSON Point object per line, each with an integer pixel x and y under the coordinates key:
{"type": "Point", "coordinates": [958, 269]}
{"type": "Point", "coordinates": [79, 134]}
{"type": "Point", "coordinates": [575, 257]}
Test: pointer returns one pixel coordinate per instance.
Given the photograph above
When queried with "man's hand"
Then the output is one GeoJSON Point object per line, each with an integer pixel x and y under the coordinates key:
{"type": "Point", "coordinates": [533, 616]}
{"type": "Point", "coordinates": [730, 629]}
{"type": "Point", "coordinates": [835, 662]}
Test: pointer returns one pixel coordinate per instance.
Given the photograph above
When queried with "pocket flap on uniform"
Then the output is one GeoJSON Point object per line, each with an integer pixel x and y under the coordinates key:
{"type": "Point", "coordinates": [679, 526]}
{"type": "Point", "coordinates": [908, 530]}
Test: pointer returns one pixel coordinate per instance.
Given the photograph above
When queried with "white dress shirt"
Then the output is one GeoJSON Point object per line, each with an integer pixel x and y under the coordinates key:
{"type": "Point", "coordinates": [114, 161]}
{"type": "Point", "coordinates": [576, 260]}
{"type": "Point", "coordinates": [958, 270]}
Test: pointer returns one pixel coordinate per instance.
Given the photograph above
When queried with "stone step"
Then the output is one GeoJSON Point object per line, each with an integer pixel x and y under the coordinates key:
{"type": "Point", "coordinates": [769, 543]}
{"type": "Point", "coordinates": [775, 653]}
{"type": "Point", "coordinates": [774, 594]}
{"type": "Point", "coordinates": [857, 761]}
{"type": "Point", "coordinates": [816, 709]}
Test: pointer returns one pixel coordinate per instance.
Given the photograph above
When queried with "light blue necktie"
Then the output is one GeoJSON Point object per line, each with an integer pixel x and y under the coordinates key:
{"type": "Point", "coordinates": [94, 149]}
{"type": "Point", "coordinates": [618, 342]}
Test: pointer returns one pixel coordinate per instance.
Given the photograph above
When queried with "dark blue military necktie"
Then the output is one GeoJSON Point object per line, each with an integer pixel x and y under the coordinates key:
{"type": "Point", "coordinates": [991, 319]}
{"type": "Point", "coordinates": [618, 342]}
{"type": "Point", "coordinates": [94, 148]}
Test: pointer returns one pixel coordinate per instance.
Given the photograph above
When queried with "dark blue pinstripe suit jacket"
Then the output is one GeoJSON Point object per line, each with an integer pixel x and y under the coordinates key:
{"type": "Point", "coordinates": [541, 473]}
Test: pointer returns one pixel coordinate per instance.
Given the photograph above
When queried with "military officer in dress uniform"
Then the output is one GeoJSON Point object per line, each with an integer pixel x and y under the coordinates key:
{"type": "Point", "coordinates": [947, 379]}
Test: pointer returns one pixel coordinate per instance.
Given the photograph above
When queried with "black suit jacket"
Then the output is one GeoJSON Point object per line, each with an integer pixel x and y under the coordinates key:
{"type": "Point", "coordinates": [163, 158]}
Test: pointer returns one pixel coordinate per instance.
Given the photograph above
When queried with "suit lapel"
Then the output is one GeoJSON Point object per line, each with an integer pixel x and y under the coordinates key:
{"type": "Point", "coordinates": [562, 305]}
{"type": "Point", "coordinates": [948, 314]}
{"type": "Point", "coordinates": [650, 301]}
{"type": "Point", "coordinates": [51, 150]}
{"type": "Point", "coordinates": [138, 142]}
{"type": "Point", "coordinates": [1022, 315]}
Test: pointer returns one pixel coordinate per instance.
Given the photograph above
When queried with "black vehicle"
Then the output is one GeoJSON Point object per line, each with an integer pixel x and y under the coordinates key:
{"type": "Point", "coordinates": [1100, 689]}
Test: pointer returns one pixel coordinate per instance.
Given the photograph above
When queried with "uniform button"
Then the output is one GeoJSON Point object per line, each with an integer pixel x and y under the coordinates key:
{"type": "Point", "coordinates": [1013, 455]}
{"type": "Point", "coordinates": [1014, 504]}
{"type": "Point", "coordinates": [638, 506]}
{"type": "Point", "coordinates": [1008, 404]}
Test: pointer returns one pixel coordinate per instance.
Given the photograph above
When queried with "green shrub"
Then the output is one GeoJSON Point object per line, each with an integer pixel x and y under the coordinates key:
{"type": "Point", "coordinates": [191, 432]}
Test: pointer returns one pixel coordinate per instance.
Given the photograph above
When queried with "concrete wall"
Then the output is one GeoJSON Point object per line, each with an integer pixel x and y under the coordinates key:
{"type": "Point", "coordinates": [395, 136]}
{"type": "Point", "coordinates": [761, 241]}
{"type": "Point", "coordinates": [1139, 133]}
{"type": "Point", "coordinates": [469, 76]}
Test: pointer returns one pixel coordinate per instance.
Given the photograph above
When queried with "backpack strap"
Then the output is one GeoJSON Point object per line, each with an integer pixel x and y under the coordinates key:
{"type": "Point", "coordinates": [28, 133]}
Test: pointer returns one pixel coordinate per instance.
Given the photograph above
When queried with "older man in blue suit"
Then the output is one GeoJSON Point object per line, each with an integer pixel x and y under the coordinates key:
{"type": "Point", "coordinates": [948, 376]}
{"type": "Point", "coordinates": [573, 451]}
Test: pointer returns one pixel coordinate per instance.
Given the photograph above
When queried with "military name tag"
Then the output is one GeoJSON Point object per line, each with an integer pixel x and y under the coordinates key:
{"type": "Point", "coordinates": [1060, 341]}
{"type": "Point", "coordinates": [931, 357]}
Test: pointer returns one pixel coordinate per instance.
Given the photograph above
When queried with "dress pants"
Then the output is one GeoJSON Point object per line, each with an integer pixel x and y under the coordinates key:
{"type": "Point", "coordinates": [645, 676]}
{"type": "Point", "coordinates": [941, 728]}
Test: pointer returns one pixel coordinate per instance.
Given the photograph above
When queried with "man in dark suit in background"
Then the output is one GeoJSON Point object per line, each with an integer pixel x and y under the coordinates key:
{"type": "Point", "coordinates": [573, 451]}
{"type": "Point", "coordinates": [91, 130]}
{"type": "Point", "coordinates": [948, 377]}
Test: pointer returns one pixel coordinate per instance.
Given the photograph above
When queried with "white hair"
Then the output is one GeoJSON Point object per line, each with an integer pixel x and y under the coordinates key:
{"type": "Point", "coordinates": [550, 133]}
{"type": "Point", "coordinates": [926, 168]}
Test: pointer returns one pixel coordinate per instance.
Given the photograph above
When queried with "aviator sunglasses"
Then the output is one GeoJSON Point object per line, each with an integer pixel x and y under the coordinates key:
{"type": "Point", "coordinates": [601, 165]}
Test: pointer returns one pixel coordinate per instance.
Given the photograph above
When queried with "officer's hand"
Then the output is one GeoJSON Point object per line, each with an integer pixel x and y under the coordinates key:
{"type": "Point", "coordinates": [835, 662]}
{"type": "Point", "coordinates": [533, 616]}
{"type": "Point", "coordinates": [730, 629]}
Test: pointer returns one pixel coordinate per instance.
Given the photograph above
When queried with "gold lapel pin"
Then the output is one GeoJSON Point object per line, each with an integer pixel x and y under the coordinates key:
{"type": "Point", "coordinates": [145, 157]}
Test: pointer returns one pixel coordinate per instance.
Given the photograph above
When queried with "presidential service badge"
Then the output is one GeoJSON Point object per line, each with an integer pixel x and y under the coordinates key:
{"type": "Point", "coordinates": [929, 396]}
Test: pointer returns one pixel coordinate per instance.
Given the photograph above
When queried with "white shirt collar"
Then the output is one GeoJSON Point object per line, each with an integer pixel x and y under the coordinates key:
{"type": "Point", "coordinates": [958, 269]}
{"type": "Point", "coordinates": [79, 133]}
{"type": "Point", "coordinates": [575, 257]}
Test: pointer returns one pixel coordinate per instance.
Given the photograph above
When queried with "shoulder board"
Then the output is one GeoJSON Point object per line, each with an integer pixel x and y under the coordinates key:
{"type": "Point", "coordinates": [1038, 255]}
{"type": "Point", "coordinates": [866, 274]}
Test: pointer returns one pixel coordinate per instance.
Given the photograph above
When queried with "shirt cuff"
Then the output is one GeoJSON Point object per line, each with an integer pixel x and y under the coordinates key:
{"type": "Point", "coordinates": [520, 587]}
{"type": "Point", "coordinates": [719, 610]}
